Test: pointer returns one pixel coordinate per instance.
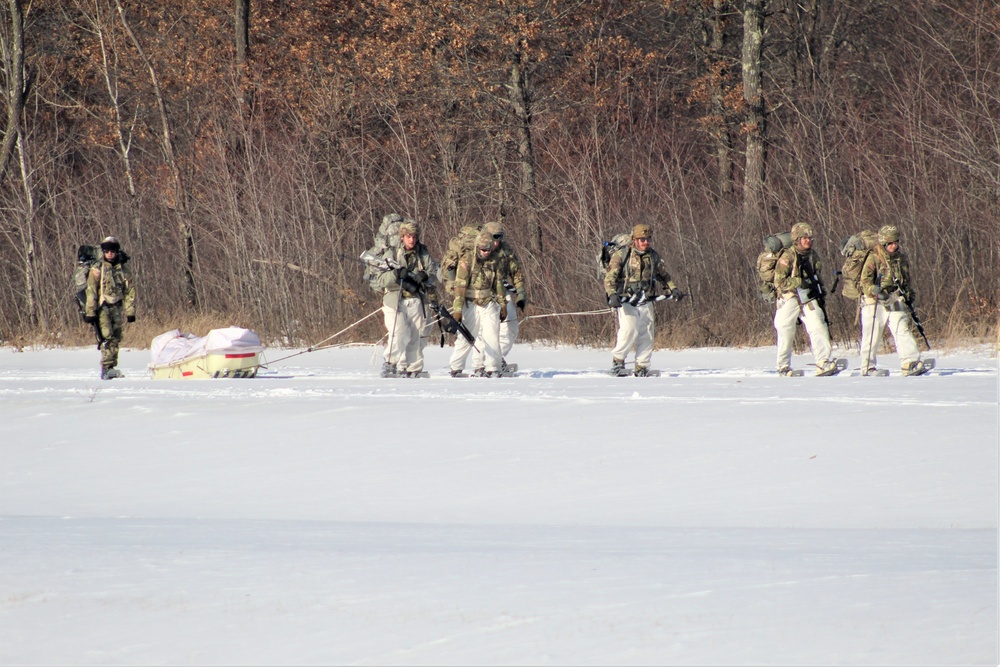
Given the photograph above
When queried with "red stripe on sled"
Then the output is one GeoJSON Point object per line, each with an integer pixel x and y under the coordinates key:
{"type": "Point", "coordinates": [186, 373]}
{"type": "Point", "coordinates": [244, 355]}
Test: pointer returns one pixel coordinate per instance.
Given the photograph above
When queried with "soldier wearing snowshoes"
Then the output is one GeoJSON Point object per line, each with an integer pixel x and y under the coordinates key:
{"type": "Point", "coordinates": [480, 300]}
{"type": "Point", "coordinates": [887, 297]}
{"type": "Point", "coordinates": [516, 298]}
{"type": "Point", "coordinates": [110, 302]}
{"type": "Point", "coordinates": [800, 298]}
{"type": "Point", "coordinates": [408, 286]}
{"type": "Point", "coordinates": [630, 283]}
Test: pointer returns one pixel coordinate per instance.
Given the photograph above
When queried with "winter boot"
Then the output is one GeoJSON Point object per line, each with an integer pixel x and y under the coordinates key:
{"type": "Point", "coordinates": [640, 372]}
{"type": "Point", "coordinates": [479, 372]}
{"type": "Point", "coordinates": [828, 367]}
{"type": "Point", "coordinates": [388, 370]}
{"type": "Point", "coordinates": [455, 374]}
{"type": "Point", "coordinates": [111, 373]}
{"type": "Point", "coordinates": [915, 368]}
{"type": "Point", "coordinates": [786, 371]}
{"type": "Point", "coordinates": [618, 368]}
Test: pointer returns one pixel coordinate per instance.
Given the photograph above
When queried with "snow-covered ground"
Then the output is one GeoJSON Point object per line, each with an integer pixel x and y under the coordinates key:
{"type": "Point", "coordinates": [320, 515]}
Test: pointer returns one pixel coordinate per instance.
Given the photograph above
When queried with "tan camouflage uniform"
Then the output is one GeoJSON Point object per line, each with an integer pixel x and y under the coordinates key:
{"type": "Point", "coordinates": [510, 269]}
{"type": "Point", "coordinates": [886, 273]}
{"type": "Point", "coordinates": [794, 304]}
{"type": "Point", "coordinates": [111, 299]}
{"type": "Point", "coordinates": [478, 296]}
{"type": "Point", "coordinates": [631, 272]}
{"type": "Point", "coordinates": [405, 312]}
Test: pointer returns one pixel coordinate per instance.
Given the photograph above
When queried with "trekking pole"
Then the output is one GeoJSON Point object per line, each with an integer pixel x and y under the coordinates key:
{"type": "Point", "coordinates": [320, 345]}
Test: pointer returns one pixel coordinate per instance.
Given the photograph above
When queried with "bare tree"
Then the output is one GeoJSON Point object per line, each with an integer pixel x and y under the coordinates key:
{"type": "Point", "coordinates": [756, 122]}
{"type": "Point", "coordinates": [167, 143]}
{"type": "Point", "coordinates": [13, 61]}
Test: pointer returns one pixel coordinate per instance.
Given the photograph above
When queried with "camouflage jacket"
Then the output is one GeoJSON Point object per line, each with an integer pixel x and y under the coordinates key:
{"type": "Point", "coordinates": [510, 268]}
{"type": "Point", "coordinates": [479, 280]}
{"type": "Point", "coordinates": [632, 271]}
{"type": "Point", "coordinates": [110, 284]}
{"type": "Point", "coordinates": [890, 271]}
{"type": "Point", "coordinates": [418, 259]}
{"type": "Point", "coordinates": [791, 271]}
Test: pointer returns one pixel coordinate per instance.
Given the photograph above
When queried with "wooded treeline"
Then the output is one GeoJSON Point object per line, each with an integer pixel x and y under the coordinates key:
{"type": "Point", "coordinates": [244, 151]}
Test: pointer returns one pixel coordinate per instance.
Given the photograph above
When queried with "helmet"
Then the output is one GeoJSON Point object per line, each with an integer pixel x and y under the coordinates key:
{"type": "Point", "coordinates": [494, 229]}
{"type": "Point", "coordinates": [409, 227]}
{"type": "Point", "coordinates": [642, 231]}
{"type": "Point", "coordinates": [888, 234]}
{"type": "Point", "coordinates": [801, 230]}
{"type": "Point", "coordinates": [110, 243]}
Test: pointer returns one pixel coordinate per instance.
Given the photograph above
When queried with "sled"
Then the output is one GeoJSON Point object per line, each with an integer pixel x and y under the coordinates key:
{"type": "Point", "coordinates": [224, 353]}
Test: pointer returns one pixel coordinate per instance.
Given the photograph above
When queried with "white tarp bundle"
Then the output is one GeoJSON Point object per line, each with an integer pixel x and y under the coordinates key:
{"type": "Point", "coordinates": [173, 346]}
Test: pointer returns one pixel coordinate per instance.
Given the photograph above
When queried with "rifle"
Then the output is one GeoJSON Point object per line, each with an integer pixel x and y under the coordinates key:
{"type": "Point", "coordinates": [640, 298]}
{"type": "Point", "coordinates": [451, 325]}
{"type": "Point", "coordinates": [907, 296]}
{"type": "Point", "coordinates": [814, 290]}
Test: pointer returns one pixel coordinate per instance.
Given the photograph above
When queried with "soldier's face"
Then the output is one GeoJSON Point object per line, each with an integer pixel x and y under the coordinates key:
{"type": "Point", "coordinates": [110, 254]}
{"type": "Point", "coordinates": [805, 242]}
{"type": "Point", "coordinates": [892, 246]}
{"type": "Point", "coordinates": [642, 244]}
{"type": "Point", "coordinates": [409, 241]}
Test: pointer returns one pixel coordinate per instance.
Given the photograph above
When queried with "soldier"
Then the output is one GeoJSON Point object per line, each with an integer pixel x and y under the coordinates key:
{"type": "Point", "coordinates": [408, 292]}
{"type": "Point", "coordinates": [800, 291]}
{"type": "Point", "coordinates": [885, 286]}
{"type": "Point", "coordinates": [513, 278]}
{"type": "Point", "coordinates": [110, 303]}
{"type": "Point", "coordinates": [630, 284]}
{"type": "Point", "coordinates": [479, 295]}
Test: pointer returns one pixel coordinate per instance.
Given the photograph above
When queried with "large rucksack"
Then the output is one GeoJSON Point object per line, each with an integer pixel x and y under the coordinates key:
{"type": "Point", "coordinates": [86, 257]}
{"type": "Point", "coordinates": [774, 245]}
{"type": "Point", "coordinates": [387, 237]}
{"type": "Point", "coordinates": [461, 244]}
{"type": "Point", "coordinates": [855, 250]}
{"type": "Point", "coordinates": [608, 249]}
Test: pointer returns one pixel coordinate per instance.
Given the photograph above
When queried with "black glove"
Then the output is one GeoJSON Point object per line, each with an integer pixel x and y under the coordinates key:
{"type": "Point", "coordinates": [420, 277]}
{"type": "Point", "coordinates": [615, 301]}
{"type": "Point", "coordinates": [130, 318]}
{"type": "Point", "coordinates": [521, 303]}
{"type": "Point", "coordinates": [410, 285]}
{"type": "Point", "coordinates": [676, 294]}
{"type": "Point", "coordinates": [402, 273]}
{"type": "Point", "coordinates": [90, 319]}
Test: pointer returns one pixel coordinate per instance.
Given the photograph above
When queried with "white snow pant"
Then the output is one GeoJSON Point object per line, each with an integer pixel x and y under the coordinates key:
{"type": "Point", "coordinates": [874, 317]}
{"type": "Point", "coordinates": [405, 325]}
{"type": "Point", "coordinates": [635, 330]}
{"type": "Point", "coordinates": [812, 317]}
{"type": "Point", "coordinates": [508, 334]}
{"type": "Point", "coordinates": [483, 322]}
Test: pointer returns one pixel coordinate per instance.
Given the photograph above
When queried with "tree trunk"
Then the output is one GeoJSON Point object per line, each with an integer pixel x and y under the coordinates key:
{"type": "Point", "coordinates": [166, 139]}
{"type": "Point", "coordinates": [720, 133]}
{"type": "Point", "coordinates": [520, 100]}
{"type": "Point", "coordinates": [15, 85]}
{"type": "Point", "coordinates": [753, 182]}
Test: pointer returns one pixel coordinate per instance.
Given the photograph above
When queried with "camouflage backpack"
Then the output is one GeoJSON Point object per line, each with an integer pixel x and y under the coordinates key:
{"type": "Point", "coordinates": [855, 250]}
{"type": "Point", "coordinates": [459, 245]}
{"type": "Point", "coordinates": [88, 256]}
{"type": "Point", "coordinates": [608, 249]}
{"type": "Point", "coordinates": [773, 247]}
{"type": "Point", "coordinates": [386, 237]}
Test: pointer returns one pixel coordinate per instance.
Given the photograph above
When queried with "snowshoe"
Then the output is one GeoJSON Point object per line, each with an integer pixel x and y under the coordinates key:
{"type": "Point", "coordinates": [831, 367]}
{"type": "Point", "coordinates": [789, 373]}
{"type": "Point", "coordinates": [618, 369]}
{"type": "Point", "coordinates": [111, 374]}
{"type": "Point", "coordinates": [916, 368]}
{"type": "Point", "coordinates": [645, 373]}
{"type": "Point", "coordinates": [389, 371]}
{"type": "Point", "coordinates": [876, 372]}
